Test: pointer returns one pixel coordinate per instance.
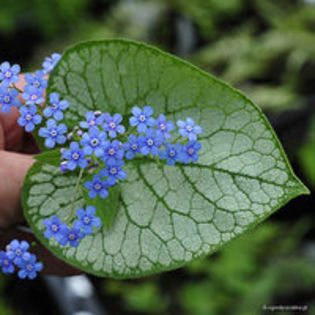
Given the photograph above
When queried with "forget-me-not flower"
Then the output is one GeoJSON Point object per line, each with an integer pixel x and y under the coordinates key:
{"type": "Point", "coordinates": [29, 117]}
{"type": "Point", "coordinates": [111, 125]}
{"type": "Point", "coordinates": [6, 263]}
{"type": "Point", "coordinates": [8, 98]}
{"type": "Point", "coordinates": [50, 62]}
{"type": "Point", "coordinates": [189, 129]}
{"type": "Point", "coordinates": [75, 157]}
{"type": "Point", "coordinates": [36, 79]}
{"type": "Point", "coordinates": [97, 186]}
{"type": "Point", "coordinates": [87, 219]}
{"type": "Point", "coordinates": [142, 118]}
{"type": "Point", "coordinates": [94, 141]}
{"type": "Point", "coordinates": [9, 74]}
{"type": "Point", "coordinates": [56, 107]}
{"type": "Point", "coordinates": [33, 95]}
{"type": "Point", "coordinates": [131, 147]}
{"type": "Point", "coordinates": [53, 133]}
{"type": "Point", "coordinates": [29, 267]}
{"type": "Point", "coordinates": [150, 142]}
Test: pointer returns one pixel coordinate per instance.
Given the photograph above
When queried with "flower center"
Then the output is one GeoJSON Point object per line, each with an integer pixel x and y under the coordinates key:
{"type": "Point", "coordinates": [18, 252]}
{"type": "Point", "coordinates": [72, 236]}
{"type": "Point", "coordinates": [8, 74]}
{"type": "Point", "coordinates": [53, 133]}
{"type": "Point", "coordinates": [54, 106]}
{"type": "Point", "coordinates": [87, 220]}
{"type": "Point", "coordinates": [92, 122]}
{"type": "Point", "coordinates": [54, 227]}
{"type": "Point", "coordinates": [162, 126]}
{"type": "Point", "coordinates": [189, 128]}
{"type": "Point", "coordinates": [112, 125]}
{"type": "Point", "coordinates": [191, 151]}
{"type": "Point", "coordinates": [111, 151]}
{"type": "Point", "coordinates": [113, 170]}
{"type": "Point", "coordinates": [6, 262]}
{"type": "Point", "coordinates": [29, 267]}
{"type": "Point", "coordinates": [134, 147]}
{"type": "Point", "coordinates": [28, 117]}
{"type": "Point", "coordinates": [172, 153]}
{"type": "Point", "coordinates": [36, 83]}
{"type": "Point", "coordinates": [33, 97]}
{"type": "Point", "coordinates": [142, 118]}
{"type": "Point", "coordinates": [94, 142]}
{"type": "Point", "coordinates": [97, 186]}
{"type": "Point", "coordinates": [75, 156]}
{"type": "Point", "coordinates": [150, 142]}
{"type": "Point", "coordinates": [7, 99]}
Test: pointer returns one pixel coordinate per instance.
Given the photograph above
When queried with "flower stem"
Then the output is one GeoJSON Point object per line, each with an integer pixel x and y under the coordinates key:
{"type": "Point", "coordinates": [76, 189]}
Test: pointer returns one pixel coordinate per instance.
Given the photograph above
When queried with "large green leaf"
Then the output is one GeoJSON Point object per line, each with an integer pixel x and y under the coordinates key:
{"type": "Point", "coordinates": [166, 216]}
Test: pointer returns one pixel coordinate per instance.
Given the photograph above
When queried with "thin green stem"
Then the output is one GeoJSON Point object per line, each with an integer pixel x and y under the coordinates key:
{"type": "Point", "coordinates": [76, 189]}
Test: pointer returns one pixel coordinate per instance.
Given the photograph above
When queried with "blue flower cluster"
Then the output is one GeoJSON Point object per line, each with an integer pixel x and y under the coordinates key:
{"type": "Point", "coordinates": [81, 227]}
{"type": "Point", "coordinates": [33, 94]}
{"type": "Point", "coordinates": [17, 255]}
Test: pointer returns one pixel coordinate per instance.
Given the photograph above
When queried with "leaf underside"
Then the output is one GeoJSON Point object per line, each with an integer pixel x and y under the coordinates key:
{"type": "Point", "coordinates": [166, 216]}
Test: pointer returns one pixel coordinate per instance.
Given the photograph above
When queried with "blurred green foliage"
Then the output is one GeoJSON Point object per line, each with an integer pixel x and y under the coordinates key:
{"type": "Point", "coordinates": [254, 270]}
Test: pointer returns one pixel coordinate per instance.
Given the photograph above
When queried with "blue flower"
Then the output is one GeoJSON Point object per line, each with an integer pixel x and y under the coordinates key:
{"type": "Point", "coordinates": [141, 118]}
{"type": "Point", "coordinates": [29, 267]}
{"type": "Point", "coordinates": [8, 98]}
{"type": "Point", "coordinates": [50, 62]}
{"type": "Point", "coordinates": [164, 127]}
{"type": "Point", "coordinates": [111, 125]}
{"type": "Point", "coordinates": [171, 153]}
{"type": "Point", "coordinates": [97, 187]}
{"type": "Point", "coordinates": [71, 236]}
{"type": "Point", "coordinates": [16, 250]}
{"type": "Point", "coordinates": [113, 152]}
{"type": "Point", "coordinates": [56, 107]}
{"type": "Point", "coordinates": [29, 117]}
{"type": "Point", "coordinates": [33, 95]}
{"type": "Point", "coordinates": [53, 227]}
{"type": "Point", "coordinates": [87, 219]}
{"type": "Point", "coordinates": [131, 147]}
{"type": "Point", "coordinates": [6, 263]}
{"type": "Point", "coordinates": [92, 120]}
{"type": "Point", "coordinates": [150, 142]}
{"type": "Point", "coordinates": [75, 156]}
{"type": "Point", "coordinates": [189, 152]}
{"type": "Point", "coordinates": [53, 133]}
{"type": "Point", "coordinates": [93, 141]}
{"type": "Point", "coordinates": [9, 74]}
{"type": "Point", "coordinates": [114, 172]}
{"type": "Point", "coordinates": [188, 129]}
{"type": "Point", "coordinates": [36, 79]}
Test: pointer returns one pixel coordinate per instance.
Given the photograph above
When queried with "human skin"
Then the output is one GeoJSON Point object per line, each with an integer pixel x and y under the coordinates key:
{"type": "Point", "coordinates": [16, 157]}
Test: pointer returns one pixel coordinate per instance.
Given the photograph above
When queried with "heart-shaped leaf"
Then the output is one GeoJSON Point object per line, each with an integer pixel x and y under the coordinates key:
{"type": "Point", "coordinates": [166, 216]}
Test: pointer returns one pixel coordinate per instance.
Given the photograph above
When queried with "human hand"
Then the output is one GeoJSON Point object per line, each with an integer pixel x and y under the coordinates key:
{"type": "Point", "coordinates": [16, 149]}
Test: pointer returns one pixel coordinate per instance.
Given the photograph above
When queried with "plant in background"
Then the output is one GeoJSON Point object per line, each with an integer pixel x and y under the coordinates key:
{"type": "Point", "coordinates": [117, 191]}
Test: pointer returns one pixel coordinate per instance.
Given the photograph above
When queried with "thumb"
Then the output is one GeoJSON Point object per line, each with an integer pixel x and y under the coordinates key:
{"type": "Point", "coordinates": [13, 169]}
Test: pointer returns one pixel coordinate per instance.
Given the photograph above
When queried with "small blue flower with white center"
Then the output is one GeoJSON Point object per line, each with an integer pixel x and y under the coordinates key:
{"type": "Point", "coordinates": [8, 98]}
{"type": "Point", "coordinates": [50, 62]}
{"type": "Point", "coordinates": [75, 156]}
{"type": "Point", "coordinates": [6, 264]}
{"type": "Point", "coordinates": [36, 79]}
{"type": "Point", "coordinates": [188, 129]}
{"type": "Point", "coordinates": [9, 74]}
{"type": "Point", "coordinates": [94, 141]}
{"type": "Point", "coordinates": [142, 118]}
{"type": "Point", "coordinates": [164, 126]}
{"type": "Point", "coordinates": [33, 95]}
{"type": "Point", "coordinates": [97, 187]}
{"type": "Point", "coordinates": [16, 250]}
{"type": "Point", "coordinates": [150, 142]}
{"type": "Point", "coordinates": [53, 226]}
{"type": "Point", "coordinates": [114, 172]}
{"type": "Point", "coordinates": [113, 152]}
{"type": "Point", "coordinates": [87, 219]}
{"type": "Point", "coordinates": [53, 133]}
{"type": "Point", "coordinates": [71, 236]}
{"type": "Point", "coordinates": [56, 107]}
{"type": "Point", "coordinates": [93, 119]}
{"type": "Point", "coordinates": [29, 117]}
{"type": "Point", "coordinates": [131, 147]}
{"type": "Point", "coordinates": [189, 152]}
{"type": "Point", "coordinates": [111, 125]}
{"type": "Point", "coordinates": [29, 267]}
{"type": "Point", "coordinates": [171, 153]}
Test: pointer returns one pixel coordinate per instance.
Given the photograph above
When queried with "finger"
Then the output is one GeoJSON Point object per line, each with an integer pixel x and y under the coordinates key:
{"type": "Point", "coordinates": [52, 265]}
{"type": "Point", "coordinates": [13, 169]}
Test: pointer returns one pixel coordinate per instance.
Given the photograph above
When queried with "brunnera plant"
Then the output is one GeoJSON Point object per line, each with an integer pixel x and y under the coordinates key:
{"type": "Point", "coordinates": [147, 161]}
